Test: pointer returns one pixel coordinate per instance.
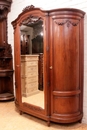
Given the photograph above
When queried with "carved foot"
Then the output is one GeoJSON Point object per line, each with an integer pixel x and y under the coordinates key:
{"type": "Point", "coordinates": [48, 123]}
{"type": "Point", "coordinates": [21, 112]}
{"type": "Point", "coordinates": [80, 121]}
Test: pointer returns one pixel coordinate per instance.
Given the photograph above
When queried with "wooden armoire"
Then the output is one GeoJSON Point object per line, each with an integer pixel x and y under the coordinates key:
{"type": "Point", "coordinates": [63, 63]}
{"type": "Point", "coordinates": [6, 64]}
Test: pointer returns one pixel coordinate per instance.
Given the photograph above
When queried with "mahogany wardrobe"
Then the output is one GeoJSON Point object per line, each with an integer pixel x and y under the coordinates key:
{"type": "Point", "coordinates": [48, 50]}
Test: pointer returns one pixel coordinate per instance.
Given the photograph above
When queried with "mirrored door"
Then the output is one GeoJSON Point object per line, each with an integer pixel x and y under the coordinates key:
{"type": "Point", "coordinates": [32, 61]}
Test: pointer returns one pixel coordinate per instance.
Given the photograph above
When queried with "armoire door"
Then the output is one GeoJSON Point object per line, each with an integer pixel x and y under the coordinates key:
{"type": "Point", "coordinates": [65, 68]}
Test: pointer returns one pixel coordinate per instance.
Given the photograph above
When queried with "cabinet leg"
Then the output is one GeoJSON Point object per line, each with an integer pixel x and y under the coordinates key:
{"type": "Point", "coordinates": [21, 112]}
{"type": "Point", "coordinates": [80, 121]}
{"type": "Point", "coordinates": [48, 123]}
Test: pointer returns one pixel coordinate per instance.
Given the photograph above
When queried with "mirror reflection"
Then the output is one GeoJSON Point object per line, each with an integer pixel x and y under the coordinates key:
{"type": "Point", "coordinates": [31, 32]}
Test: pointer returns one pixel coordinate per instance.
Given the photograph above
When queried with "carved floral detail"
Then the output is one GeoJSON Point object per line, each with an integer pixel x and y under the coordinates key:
{"type": "Point", "coordinates": [8, 51]}
{"type": "Point", "coordinates": [68, 22]}
{"type": "Point", "coordinates": [2, 7]}
{"type": "Point", "coordinates": [30, 20]}
{"type": "Point", "coordinates": [4, 12]}
{"type": "Point", "coordinates": [2, 17]}
{"type": "Point", "coordinates": [5, 54]}
{"type": "Point", "coordinates": [28, 8]}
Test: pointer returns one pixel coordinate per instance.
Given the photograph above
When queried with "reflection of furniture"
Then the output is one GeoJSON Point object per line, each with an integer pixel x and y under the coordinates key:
{"type": "Point", "coordinates": [29, 74]}
{"type": "Point", "coordinates": [40, 71]}
{"type": "Point", "coordinates": [25, 44]}
{"type": "Point", "coordinates": [6, 68]}
{"type": "Point", "coordinates": [63, 64]}
{"type": "Point", "coordinates": [37, 44]}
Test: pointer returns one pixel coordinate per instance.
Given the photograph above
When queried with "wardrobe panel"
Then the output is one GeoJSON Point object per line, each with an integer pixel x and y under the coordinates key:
{"type": "Point", "coordinates": [66, 105]}
{"type": "Point", "coordinates": [65, 47]}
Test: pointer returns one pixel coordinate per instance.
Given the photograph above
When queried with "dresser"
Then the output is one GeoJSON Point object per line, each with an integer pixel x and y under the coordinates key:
{"type": "Point", "coordinates": [29, 74]}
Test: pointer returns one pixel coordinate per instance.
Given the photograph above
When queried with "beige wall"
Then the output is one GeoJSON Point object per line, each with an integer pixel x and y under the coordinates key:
{"type": "Point", "coordinates": [17, 7]}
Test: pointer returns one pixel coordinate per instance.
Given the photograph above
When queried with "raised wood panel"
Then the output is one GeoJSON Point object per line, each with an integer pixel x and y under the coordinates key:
{"type": "Point", "coordinates": [65, 55]}
{"type": "Point", "coordinates": [60, 107]}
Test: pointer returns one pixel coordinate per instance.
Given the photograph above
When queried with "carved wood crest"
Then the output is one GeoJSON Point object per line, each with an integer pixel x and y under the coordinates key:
{"type": "Point", "coordinates": [31, 20]}
{"type": "Point", "coordinates": [28, 8]}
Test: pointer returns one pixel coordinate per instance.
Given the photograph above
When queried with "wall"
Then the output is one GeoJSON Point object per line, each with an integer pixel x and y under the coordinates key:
{"type": "Point", "coordinates": [17, 7]}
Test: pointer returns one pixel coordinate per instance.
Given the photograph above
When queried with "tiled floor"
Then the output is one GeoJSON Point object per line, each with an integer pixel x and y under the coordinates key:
{"type": "Point", "coordinates": [10, 119]}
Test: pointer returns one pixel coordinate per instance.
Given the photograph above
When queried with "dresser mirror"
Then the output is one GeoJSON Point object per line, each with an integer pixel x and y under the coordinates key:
{"type": "Point", "coordinates": [31, 44]}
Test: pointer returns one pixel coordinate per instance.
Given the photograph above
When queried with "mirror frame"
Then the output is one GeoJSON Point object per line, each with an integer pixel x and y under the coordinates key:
{"type": "Point", "coordinates": [26, 107]}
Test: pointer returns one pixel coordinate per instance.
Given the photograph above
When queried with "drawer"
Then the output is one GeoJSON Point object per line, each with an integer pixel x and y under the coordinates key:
{"type": "Point", "coordinates": [25, 71]}
{"type": "Point", "coordinates": [26, 64]}
{"type": "Point", "coordinates": [29, 58]}
{"type": "Point", "coordinates": [30, 74]}
{"type": "Point", "coordinates": [31, 69]}
{"type": "Point", "coordinates": [32, 85]}
{"type": "Point", "coordinates": [27, 80]}
{"type": "Point", "coordinates": [31, 90]}
{"type": "Point", "coordinates": [33, 63]}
